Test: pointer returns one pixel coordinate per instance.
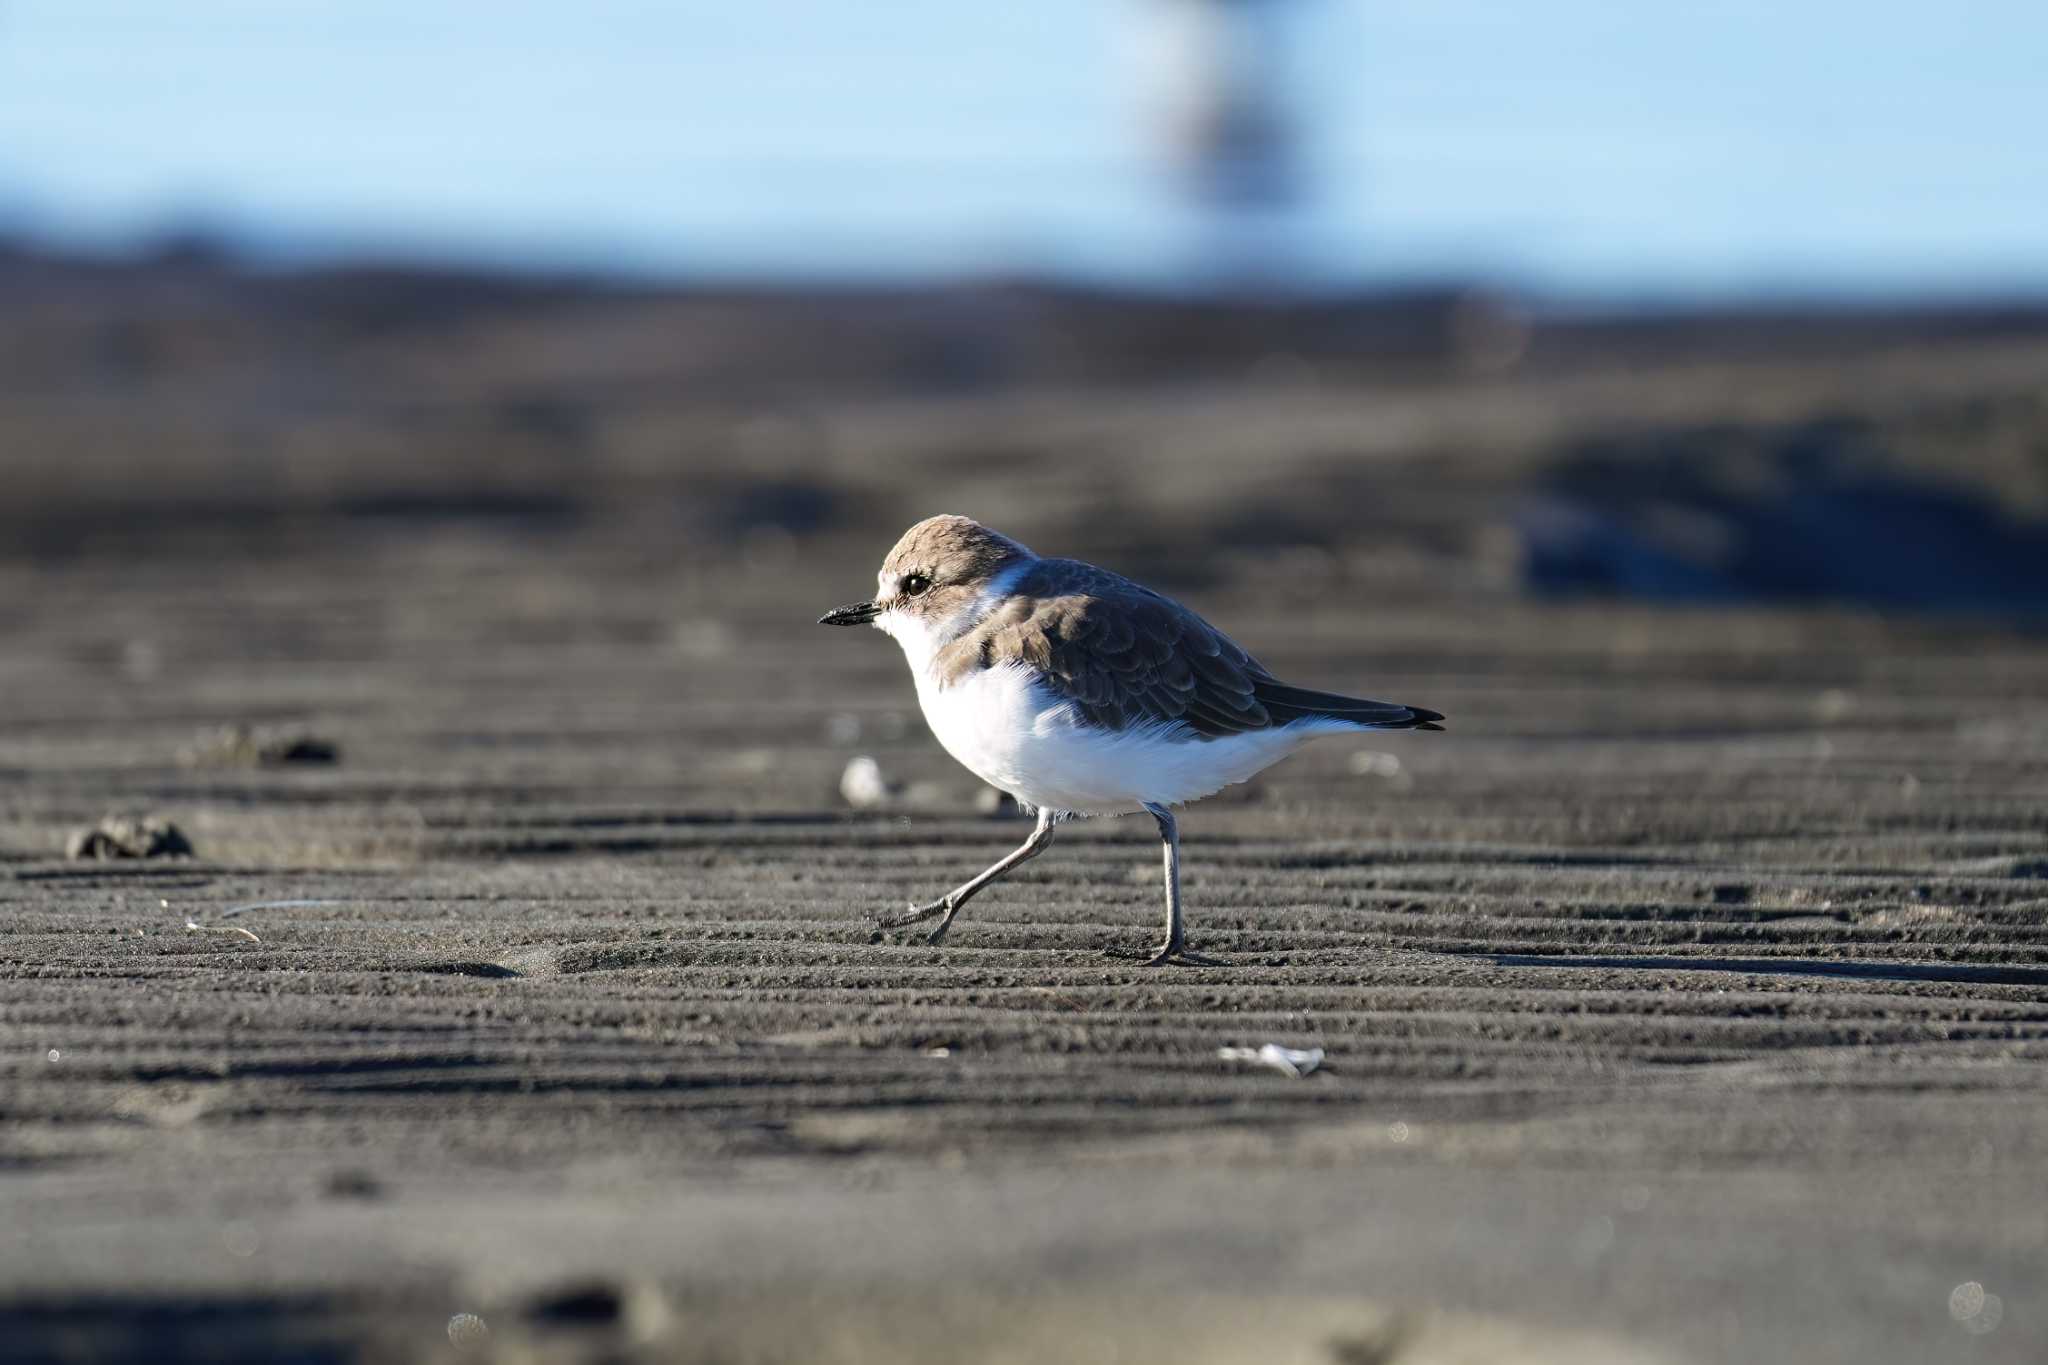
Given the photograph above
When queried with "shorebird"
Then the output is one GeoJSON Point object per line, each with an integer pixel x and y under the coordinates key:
{"type": "Point", "coordinates": [1080, 692]}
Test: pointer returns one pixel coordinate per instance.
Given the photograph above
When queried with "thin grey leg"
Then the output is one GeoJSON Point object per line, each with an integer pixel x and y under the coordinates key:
{"type": "Point", "coordinates": [1175, 947]}
{"type": "Point", "coordinates": [949, 904]}
{"type": "Point", "coordinates": [1169, 841]}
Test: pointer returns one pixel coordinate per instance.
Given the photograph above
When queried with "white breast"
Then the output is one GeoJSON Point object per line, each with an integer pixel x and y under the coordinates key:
{"type": "Point", "coordinates": [1013, 733]}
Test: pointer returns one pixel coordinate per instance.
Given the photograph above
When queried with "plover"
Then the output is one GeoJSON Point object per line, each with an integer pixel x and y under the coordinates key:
{"type": "Point", "coordinates": [1079, 692]}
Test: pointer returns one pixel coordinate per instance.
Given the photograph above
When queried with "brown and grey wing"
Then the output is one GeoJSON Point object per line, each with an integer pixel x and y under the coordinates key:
{"type": "Point", "coordinates": [1127, 656]}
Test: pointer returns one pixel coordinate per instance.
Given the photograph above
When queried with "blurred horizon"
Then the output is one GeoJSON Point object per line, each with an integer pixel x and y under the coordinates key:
{"type": "Point", "coordinates": [1740, 155]}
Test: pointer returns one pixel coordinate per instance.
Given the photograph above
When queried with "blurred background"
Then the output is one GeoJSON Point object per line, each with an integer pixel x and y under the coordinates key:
{"type": "Point", "coordinates": [443, 341]}
{"type": "Point", "coordinates": [1737, 151]}
{"type": "Point", "coordinates": [326, 265]}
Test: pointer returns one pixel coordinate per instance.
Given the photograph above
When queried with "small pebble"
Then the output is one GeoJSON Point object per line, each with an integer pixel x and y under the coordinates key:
{"type": "Point", "coordinates": [863, 786]}
{"type": "Point", "coordinates": [130, 836]}
{"type": "Point", "coordinates": [467, 1329]}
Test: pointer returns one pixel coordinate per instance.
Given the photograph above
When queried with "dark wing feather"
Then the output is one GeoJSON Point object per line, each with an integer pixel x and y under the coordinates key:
{"type": "Point", "coordinates": [1286, 704]}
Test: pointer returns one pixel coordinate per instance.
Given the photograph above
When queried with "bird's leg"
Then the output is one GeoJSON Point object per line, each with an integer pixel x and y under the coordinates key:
{"type": "Point", "coordinates": [1174, 949]}
{"type": "Point", "coordinates": [949, 904]}
{"type": "Point", "coordinates": [1169, 843]}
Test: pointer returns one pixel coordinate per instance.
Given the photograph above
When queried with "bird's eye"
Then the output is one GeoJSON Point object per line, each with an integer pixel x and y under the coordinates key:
{"type": "Point", "coordinates": [915, 583]}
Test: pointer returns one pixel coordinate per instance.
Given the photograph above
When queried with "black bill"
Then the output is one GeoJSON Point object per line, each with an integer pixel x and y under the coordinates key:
{"type": "Point", "coordinates": [858, 614]}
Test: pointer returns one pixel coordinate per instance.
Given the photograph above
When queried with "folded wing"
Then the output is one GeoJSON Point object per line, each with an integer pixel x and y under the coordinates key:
{"type": "Point", "coordinates": [1125, 655]}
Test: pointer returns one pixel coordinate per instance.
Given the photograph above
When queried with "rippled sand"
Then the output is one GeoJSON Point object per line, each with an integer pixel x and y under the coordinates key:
{"type": "Point", "coordinates": [1684, 1001]}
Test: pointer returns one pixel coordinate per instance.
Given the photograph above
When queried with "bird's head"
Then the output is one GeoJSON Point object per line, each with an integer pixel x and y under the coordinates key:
{"type": "Point", "coordinates": [935, 577]}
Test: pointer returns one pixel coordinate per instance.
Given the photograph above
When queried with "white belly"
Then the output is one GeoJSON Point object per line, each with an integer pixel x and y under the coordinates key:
{"type": "Point", "coordinates": [1016, 735]}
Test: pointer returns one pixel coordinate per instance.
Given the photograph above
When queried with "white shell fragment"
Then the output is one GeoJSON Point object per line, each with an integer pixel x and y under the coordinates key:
{"type": "Point", "coordinates": [1288, 1061]}
{"type": "Point", "coordinates": [863, 786]}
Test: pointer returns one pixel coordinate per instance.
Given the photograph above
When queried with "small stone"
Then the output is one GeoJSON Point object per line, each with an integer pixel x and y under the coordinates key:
{"type": "Point", "coordinates": [863, 786]}
{"type": "Point", "coordinates": [1374, 763]}
{"type": "Point", "coordinates": [352, 1184]}
{"type": "Point", "coordinates": [635, 1310]}
{"type": "Point", "coordinates": [467, 1329]}
{"type": "Point", "coordinates": [242, 746]}
{"type": "Point", "coordinates": [589, 1303]}
{"type": "Point", "coordinates": [130, 836]}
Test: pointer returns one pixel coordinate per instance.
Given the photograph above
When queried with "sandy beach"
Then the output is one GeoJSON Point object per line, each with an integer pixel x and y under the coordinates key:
{"type": "Point", "coordinates": [1687, 1000]}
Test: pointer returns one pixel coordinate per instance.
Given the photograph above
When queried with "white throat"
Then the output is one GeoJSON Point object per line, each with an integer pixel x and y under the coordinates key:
{"type": "Point", "coordinates": [918, 636]}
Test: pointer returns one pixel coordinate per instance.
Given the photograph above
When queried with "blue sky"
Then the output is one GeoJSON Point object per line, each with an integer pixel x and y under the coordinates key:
{"type": "Point", "coordinates": [1574, 146]}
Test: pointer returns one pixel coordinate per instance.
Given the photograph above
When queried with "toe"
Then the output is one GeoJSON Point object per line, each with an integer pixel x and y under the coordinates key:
{"type": "Point", "coordinates": [914, 914]}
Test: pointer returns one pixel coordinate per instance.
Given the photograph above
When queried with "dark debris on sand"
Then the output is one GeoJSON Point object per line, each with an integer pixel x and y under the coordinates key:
{"type": "Point", "coordinates": [244, 746]}
{"type": "Point", "coordinates": [130, 836]}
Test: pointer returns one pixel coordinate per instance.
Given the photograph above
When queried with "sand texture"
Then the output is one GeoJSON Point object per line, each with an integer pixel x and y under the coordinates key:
{"type": "Point", "coordinates": [1686, 1001]}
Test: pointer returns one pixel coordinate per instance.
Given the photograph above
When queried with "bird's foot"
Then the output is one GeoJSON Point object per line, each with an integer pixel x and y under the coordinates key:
{"type": "Point", "coordinates": [916, 914]}
{"type": "Point", "coordinates": [1168, 954]}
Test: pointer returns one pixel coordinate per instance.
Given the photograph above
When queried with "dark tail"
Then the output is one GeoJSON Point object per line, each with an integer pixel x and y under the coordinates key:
{"type": "Point", "coordinates": [1285, 704]}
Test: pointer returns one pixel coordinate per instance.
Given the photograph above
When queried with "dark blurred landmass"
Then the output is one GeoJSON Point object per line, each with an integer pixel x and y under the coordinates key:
{"type": "Point", "coordinates": [1682, 1002]}
{"type": "Point", "coordinates": [1888, 457]}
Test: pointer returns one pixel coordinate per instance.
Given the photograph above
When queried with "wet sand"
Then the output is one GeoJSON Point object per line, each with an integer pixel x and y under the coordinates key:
{"type": "Point", "coordinates": [1687, 1000]}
